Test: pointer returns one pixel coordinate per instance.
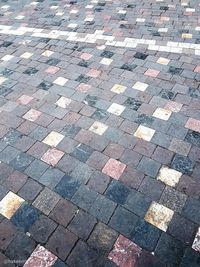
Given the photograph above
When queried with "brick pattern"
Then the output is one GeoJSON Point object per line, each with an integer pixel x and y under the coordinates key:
{"type": "Point", "coordinates": [99, 133]}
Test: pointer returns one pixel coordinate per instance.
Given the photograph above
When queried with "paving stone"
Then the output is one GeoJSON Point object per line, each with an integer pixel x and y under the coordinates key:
{"type": "Point", "coordinates": [30, 190]}
{"type": "Point", "coordinates": [82, 253]}
{"type": "Point", "coordinates": [20, 248]}
{"type": "Point", "coordinates": [149, 166]}
{"type": "Point", "coordinates": [173, 199]}
{"type": "Point", "coordinates": [169, 250]}
{"type": "Point", "coordinates": [123, 221]}
{"type": "Point", "coordinates": [102, 238]}
{"type": "Point", "coordinates": [191, 210]}
{"type": "Point", "coordinates": [82, 152]}
{"type": "Point", "coordinates": [145, 235]}
{"type": "Point", "coordinates": [63, 212]}
{"type": "Point", "coordinates": [42, 228]}
{"type": "Point", "coordinates": [84, 197]}
{"type": "Point", "coordinates": [190, 257]}
{"type": "Point", "coordinates": [182, 229]}
{"type": "Point", "coordinates": [51, 177]}
{"type": "Point", "coordinates": [82, 224]}
{"type": "Point", "coordinates": [98, 182]}
{"type": "Point", "coordinates": [125, 252]}
{"type": "Point", "coordinates": [25, 216]}
{"type": "Point", "coordinates": [182, 164]}
{"type": "Point", "coordinates": [67, 186]}
{"type": "Point", "coordinates": [61, 242]}
{"type": "Point", "coordinates": [117, 192]}
{"type": "Point", "coordinates": [102, 208]}
{"type": "Point", "coordinates": [21, 162]}
{"type": "Point", "coordinates": [46, 201]}
{"type": "Point", "coordinates": [151, 188]}
{"type": "Point", "coordinates": [137, 203]}
{"type": "Point", "coordinates": [8, 233]}
{"type": "Point", "coordinates": [15, 181]}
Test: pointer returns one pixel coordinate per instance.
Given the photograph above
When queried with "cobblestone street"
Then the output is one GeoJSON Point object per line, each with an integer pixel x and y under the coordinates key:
{"type": "Point", "coordinates": [100, 133]}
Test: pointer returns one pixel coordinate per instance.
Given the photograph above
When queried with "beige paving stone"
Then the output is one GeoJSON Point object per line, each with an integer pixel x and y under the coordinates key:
{"type": "Point", "coordinates": [162, 114]}
{"type": "Point", "coordinates": [140, 86]}
{"type": "Point", "coordinates": [32, 115]}
{"type": "Point", "coordinates": [60, 81]}
{"type": "Point", "coordinates": [159, 216]}
{"type": "Point", "coordinates": [169, 176]}
{"type": "Point", "coordinates": [98, 128]}
{"type": "Point", "coordinates": [118, 89]}
{"type": "Point", "coordinates": [63, 102]}
{"type": "Point", "coordinates": [106, 61]}
{"type": "Point", "coordinates": [26, 55]}
{"type": "Point", "coordinates": [144, 133]}
{"type": "Point", "coordinates": [163, 61]}
{"type": "Point", "coordinates": [116, 109]}
{"type": "Point", "coordinates": [53, 139]}
{"type": "Point", "coordinates": [10, 204]}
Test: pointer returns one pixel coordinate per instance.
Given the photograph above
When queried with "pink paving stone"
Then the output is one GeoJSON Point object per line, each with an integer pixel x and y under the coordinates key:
{"type": "Point", "coordinates": [83, 87]}
{"type": "Point", "coordinates": [173, 106]}
{"type": "Point", "coordinates": [24, 99]}
{"type": "Point", "coordinates": [197, 69]}
{"type": "Point", "coordinates": [32, 115]}
{"type": "Point", "coordinates": [86, 56]}
{"type": "Point", "coordinates": [152, 73]}
{"type": "Point", "coordinates": [196, 243]}
{"type": "Point", "coordinates": [52, 70]}
{"type": "Point", "coordinates": [125, 253]}
{"type": "Point", "coordinates": [93, 73]}
{"type": "Point", "coordinates": [114, 168]}
{"type": "Point", "coordinates": [40, 257]}
{"type": "Point", "coordinates": [52, 156]}
{"type": "Point", "coordinates": [193, 124]}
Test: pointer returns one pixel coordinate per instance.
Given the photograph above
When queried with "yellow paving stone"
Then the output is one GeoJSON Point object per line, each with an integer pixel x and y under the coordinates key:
{"type": "Point", "coordinates": [10, 204]}
{"type": "Point", "coordinates": [118, 89]}
{"type": "Point", "coordinates": [159, 216]}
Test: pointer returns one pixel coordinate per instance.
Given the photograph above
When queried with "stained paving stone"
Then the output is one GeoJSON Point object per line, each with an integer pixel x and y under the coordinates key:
{"type": "Point", "coordinates": [182, 164]}
{"type": "Point", "coordinates": [82, 224]}
{"type": "Point", "coordinates": [8, 233]}
{"type": "Point", "coordinates": [46, 201]}
{"type": "Point", "coordinates": [125, 252]}
{"type": "Point", "coordinates": [193, 138]}
{"type": "Point", "coordinates": [102, 238]}
{"type": "Point", "coordinates": [61, 242]}
{"type": "Point", "coordinates": [82, 152]}
{"type": "Point", "coordinates": [173, 199]}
